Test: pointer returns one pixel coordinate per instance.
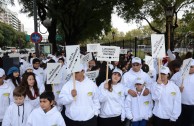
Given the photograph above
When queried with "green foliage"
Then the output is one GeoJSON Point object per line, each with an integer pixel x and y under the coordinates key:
{"type": "Point", "coordinates": [10, 37]}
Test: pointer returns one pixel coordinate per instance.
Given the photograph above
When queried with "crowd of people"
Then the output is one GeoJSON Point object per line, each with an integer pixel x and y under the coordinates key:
{"type": "Point", "coordinates": [133, 95]}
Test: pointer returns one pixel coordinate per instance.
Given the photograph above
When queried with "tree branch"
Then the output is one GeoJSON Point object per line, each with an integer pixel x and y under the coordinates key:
{"type": "Point", "coordinates": [154, 29]}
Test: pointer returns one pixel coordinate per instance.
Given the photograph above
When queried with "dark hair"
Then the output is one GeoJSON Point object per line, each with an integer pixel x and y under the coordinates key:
{"type": "Point", "coordinates": [13, 79]}
{"type": "Point", "coordinates": [47, 95]}
{"type": "Point", "coordinates": [35, 61]}
{"type": "Point", "coordinates": [19, 91]}
{"type": "Point", "coordinates": [25, 84]}
{"type": "Point", "coordinates": [61, 59]}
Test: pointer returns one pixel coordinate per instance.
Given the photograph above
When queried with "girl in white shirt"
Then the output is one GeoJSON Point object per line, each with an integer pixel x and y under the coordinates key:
{"type": "Point", "coordinates": [32, 91]}
{"type": "Point", "coordinates": [111, 97]}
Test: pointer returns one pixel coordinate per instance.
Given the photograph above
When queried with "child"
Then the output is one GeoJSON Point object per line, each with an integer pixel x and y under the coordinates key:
{"type": "Point", "coordinates": [5, 97]}
{"type": "Point", "coordinates": [139, 108]}
{"type": "Point", "coordinates": [32, 91]}
{"type": "Point", "coordinates": [18, 112]}
{"type": "Point", "coordinates": [47, 114]}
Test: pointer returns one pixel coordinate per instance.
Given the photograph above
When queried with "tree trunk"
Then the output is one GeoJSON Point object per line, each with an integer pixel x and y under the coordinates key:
{"type": "Point", "coordinates": [52, 35]}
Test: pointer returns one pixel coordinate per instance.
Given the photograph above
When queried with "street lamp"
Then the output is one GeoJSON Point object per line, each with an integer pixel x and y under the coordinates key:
{"type": "Point", "coordinates": [169, 19]}
{"type": "Point", "coordinates": [113, 36]}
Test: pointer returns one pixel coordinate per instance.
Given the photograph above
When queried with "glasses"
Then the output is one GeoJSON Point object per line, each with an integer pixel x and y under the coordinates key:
{"type": "Point", "coordinates": [191, 66]}
{"type": "Point", "coordinates": [135, 64]}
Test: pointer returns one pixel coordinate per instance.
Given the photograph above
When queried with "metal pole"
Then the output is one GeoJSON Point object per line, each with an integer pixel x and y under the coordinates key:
{"type": "Point", "coordinates": [169, 31]}
{"type": "Point", "coordinates": [35, 27]}
{"type": "Point", "coordinates": [135, 46]}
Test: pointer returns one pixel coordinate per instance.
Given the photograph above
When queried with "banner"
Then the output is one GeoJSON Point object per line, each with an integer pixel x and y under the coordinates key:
{"type": "Point", "coordinates": [92, 47]}
{"type": "Point", "coordinates": [186, 67]}
{"type": "Point", "coordinates": [73, 58]}
{"type": "Point", "coordinates": [53, 76]}
{"type": "Point", "coordinates": [92, 75]}
{"type": "Point", "coordinates": [123, 51]}
{"type": "Point", "coordinates": [108, 53]}
{"type": "Point", "coordinates": [86, 58]}
{"type": "Point", "coordinates": [158, 45]}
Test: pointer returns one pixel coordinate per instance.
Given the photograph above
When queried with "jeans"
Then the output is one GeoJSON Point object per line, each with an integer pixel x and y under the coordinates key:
{"type": "Point", "coordinates": [140, 123]}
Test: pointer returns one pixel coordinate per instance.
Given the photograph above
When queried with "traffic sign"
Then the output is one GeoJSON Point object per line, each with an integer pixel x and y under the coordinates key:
{"type": "Point", "coordinates": [36, 37]}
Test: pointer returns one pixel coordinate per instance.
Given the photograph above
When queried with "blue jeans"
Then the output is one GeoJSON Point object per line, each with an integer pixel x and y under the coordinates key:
{"type": "Point", "coordinates": [140, 123]}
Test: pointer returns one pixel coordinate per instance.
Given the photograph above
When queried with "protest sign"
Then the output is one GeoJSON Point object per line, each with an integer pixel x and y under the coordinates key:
{"type": "Point", "coordinates": [149, 61]}
{"type": "Point", "coordinates": [92, 47]}
{"type": "Point", "coordinates": [108, 53]}
{"type": "Point", "coordinates": [53, 76]}
{"type": "Point", "coordinates": [92, 75]}
{"type": "Point", "coordinates": [158, 45]}
{"type": "Point", "coordinates": [123, 51]}
{"type": "Point", "coordinates": [86, 58]}
{"type": "Point", "coordinates": [171, 55]}
{"type": "Point", "coordinates": [73, 58]}
{"type": "Point", "coordinates": [186, 67]}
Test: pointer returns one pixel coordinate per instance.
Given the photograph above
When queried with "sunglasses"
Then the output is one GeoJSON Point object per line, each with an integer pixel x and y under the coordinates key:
{"type": "Point", "coordinates": [191, 66]}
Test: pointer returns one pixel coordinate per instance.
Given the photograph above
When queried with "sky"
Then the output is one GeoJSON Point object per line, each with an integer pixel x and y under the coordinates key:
{"type": "Point", "coordinates": [117, 22]}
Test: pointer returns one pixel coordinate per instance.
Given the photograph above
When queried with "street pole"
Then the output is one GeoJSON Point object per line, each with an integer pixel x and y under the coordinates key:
{"type": "Point", "coordinates": [135, 46]}
{"type": "Point", "coordinates": [169, 31]}
{"type": "Point", "coordinates": [35, 27]}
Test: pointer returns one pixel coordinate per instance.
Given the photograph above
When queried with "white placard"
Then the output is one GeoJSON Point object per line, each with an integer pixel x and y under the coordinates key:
{"type": "Point", "coordinates": [73, 58]}
{"type": "Point", "coordinates": [149, 61]}
{"type": "Point", "coordinates": [108, 53]}
{"type": "Point", "coordinates": [92, 47]}
{"type": "Point", "coordinates": [158, 45]}
{"type": "Point", "coordinates": [92, 75]}
{"type": "Point", "coordinates": [171, 55]}
{"type": "Point", "coordinates": [86, 58]}
{"type": "Point", "coordinates": [52, 72]}
{"type": "Point", "coordinates": [186, 67]}
{"type": "Point", "coordinates": [123, 51]}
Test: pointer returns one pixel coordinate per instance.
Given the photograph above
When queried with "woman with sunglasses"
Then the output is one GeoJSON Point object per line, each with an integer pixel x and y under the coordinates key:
{"type": "Point", "coordinates": [111, 97]}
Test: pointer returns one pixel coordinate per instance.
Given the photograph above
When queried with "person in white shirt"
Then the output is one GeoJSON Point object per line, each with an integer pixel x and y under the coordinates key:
{"type": "Point", "coordinates": [47, 114]}
{"type": "Point", "coordinates": [186, 86]}
{"type": "Point", "coordinates": [111, 97]}
{"type": "Point", "coordinates": [139, 109]}
{"type": "Point", "coordinates": [129, 77]}
{"type": "Point", "coordinates": [38, 70]}
{"type": "Point", "coordinates": [82, 103]}
{"type": "Point", "coordinates": [167, 98]}
{"type": "Point", "coordinates": [32, 91]}
{"type": "Point", "coordinates": [5, 94]}
{"type": "Point", "coordinates": [18, 112]}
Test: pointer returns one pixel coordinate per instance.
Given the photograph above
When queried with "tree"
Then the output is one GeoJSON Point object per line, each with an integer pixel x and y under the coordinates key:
{"type": "Point", "coordinates": [78, 19]}
{"type": "Point", "coordinates": [155, 11]}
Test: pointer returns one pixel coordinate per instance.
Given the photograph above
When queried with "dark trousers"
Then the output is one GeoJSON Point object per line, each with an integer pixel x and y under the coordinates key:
{"type": "Point", "coordinates": [0, 123]}
{"type": "Point", "coordinates": [162, 122]}
{"type": "Point", "coordinates": [90, 122]}
{"type": "Point", "coordinates": [187, 115]}
{"type": "Point", "coordinates": [139, 123]}
{"type": "Point", "coordinates": [113, 121]}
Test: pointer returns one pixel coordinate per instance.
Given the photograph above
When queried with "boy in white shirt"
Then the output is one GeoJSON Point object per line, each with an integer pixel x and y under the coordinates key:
{"type": "Point", "coordinates": [18, 112]}
{"type": "Point", "coordinates": [47, 114]}
{"type": "Point", "coordinates": [5, 97]}
{"type": "Point", "coordinates": [138, 109]}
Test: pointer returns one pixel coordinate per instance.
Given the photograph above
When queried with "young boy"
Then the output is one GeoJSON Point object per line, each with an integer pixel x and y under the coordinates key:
{"type": "Point", "coordinates": [139, 108]}
{"type": "Point", "coordinates": [47, 114]}
{"type": "Point", "coordinates": [18, 112]}
{"type": "Point", "coordinates": [5, 97]}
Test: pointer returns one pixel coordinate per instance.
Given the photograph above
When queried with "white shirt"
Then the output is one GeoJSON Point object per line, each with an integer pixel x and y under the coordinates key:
{"type": "Point", "coordinates": [86, 103]}
{"type": "Point", "coordinates": [39, 118]}
{"type": "Point", "coordinates": [6, 92]}
{"type": "Point", "coordinates": [187, 96]}
{"type": "Point", "coordinates": [112, 103]}
{"type": "Point", "coordinates": [138, 108]}
{"type": "Point", "coordinates": [167, 100]}
{"type": "Point", "coordinates": [17, 115]}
